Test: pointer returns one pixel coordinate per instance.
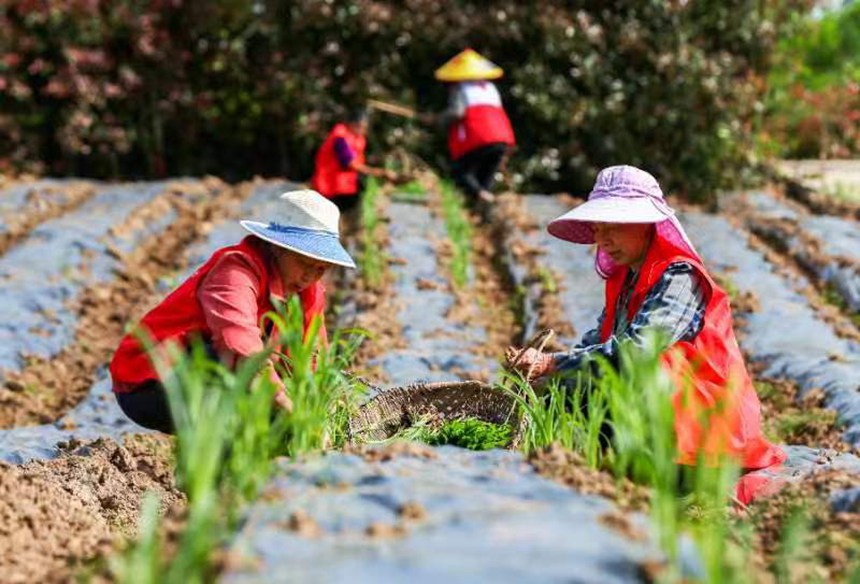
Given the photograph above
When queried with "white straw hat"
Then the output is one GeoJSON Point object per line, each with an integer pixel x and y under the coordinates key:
{"type": "Point", "coordinates": [308, 225]}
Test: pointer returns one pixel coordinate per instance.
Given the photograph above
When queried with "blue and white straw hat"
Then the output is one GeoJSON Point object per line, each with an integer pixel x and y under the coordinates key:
{"type": "Point", "coordinates": [308, 225]}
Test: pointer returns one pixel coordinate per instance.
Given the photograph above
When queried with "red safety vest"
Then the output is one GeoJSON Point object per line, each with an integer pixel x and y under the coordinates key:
{"type": "Point", "coordinates": [329, 177]}
{"type": "Point", "coordinates": [717, 411]}
{"type": "Point", "coordinates": [179, 317]}
{"type": "Point", "coordinates": [484, 122]}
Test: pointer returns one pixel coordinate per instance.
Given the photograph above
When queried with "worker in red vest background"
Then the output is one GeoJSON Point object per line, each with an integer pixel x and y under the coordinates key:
{"type": "Point", "coordinates": [480, 136]}
{"type": "Point", "coordinates": [340, 165]}
{"type": "Point", "coordinates": [656, 280]}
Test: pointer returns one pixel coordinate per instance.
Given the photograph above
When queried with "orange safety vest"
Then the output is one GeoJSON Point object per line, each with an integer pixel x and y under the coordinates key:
{"type": "Point", "coordinates": [330, 178]}
{"type": "Point", "coordinates": [484, 121]}
{"type": "Point", "coordinates": [179, 317]}
{"type": "Point", "coordinates": [717, 411]}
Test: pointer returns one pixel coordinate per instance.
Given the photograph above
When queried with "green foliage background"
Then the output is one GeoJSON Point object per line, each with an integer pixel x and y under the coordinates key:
{"type": "Point", "coordinates": [235, 88]}
{"type": "Point", "coordinates": [813, 103]}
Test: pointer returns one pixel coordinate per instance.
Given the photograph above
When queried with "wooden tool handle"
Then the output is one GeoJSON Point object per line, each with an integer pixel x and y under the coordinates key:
{"type": "Point", "coordinates": [391, 108]}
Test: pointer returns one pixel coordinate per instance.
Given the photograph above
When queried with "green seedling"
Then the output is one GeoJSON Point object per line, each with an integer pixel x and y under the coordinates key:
{"type": "Point", "coordinates": [621, 419]}
{"type": "Point", "coordinates": [832, 296]}
{"type": "Point", "coordinates": [227, 435]}
{"type": "Point", "coordinates": [372, 259]}
{"type": "Point", "coordinates": [548, 281]}
{"type": "Point", "coordinates": [794, 553]}
{"type": "Point", "coordinates": [459, 231]}
{"type": "Point", "coordinates": [411, 191]}
{"type": "Point", "coordinates": [142, 563]}
{"type": "Point", "coordinates": [472, 434]}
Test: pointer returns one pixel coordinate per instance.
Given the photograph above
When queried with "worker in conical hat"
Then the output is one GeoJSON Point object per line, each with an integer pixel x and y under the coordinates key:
{"type": "Point", "coordinates": [479, 131]}
{"type": "Point", "coordinates": [469, 65]}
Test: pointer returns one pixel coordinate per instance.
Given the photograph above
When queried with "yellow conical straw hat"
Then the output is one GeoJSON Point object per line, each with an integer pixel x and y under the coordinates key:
{"type": "Point", "coordinates": [468, 66]}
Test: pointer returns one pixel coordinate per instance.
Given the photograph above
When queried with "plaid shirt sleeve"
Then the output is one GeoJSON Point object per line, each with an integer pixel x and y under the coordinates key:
{"type": "Point", "coordinates": [675, 305]}
{"type": "Point", "coordinates": [592, 337]}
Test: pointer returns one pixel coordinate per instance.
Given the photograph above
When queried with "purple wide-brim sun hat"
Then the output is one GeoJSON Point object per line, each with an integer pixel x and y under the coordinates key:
{"type": "Point", "coordinates": [308, 225]}
{"type": "Point", "coordinates": [621, 194]}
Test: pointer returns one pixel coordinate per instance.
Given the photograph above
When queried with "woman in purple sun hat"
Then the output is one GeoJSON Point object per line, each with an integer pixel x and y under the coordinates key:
{"type": "Point", "coordinates": [655, 279]}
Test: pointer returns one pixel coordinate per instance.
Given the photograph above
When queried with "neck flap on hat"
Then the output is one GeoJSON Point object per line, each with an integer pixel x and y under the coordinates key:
{"type": "Point", "coordinates": [669, 234]}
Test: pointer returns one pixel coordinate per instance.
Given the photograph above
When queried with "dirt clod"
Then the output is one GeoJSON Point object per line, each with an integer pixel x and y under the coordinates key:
{"type": "Point", "coordinates": [379, 530]}
{"type": "Point", "coordinates": [621, 523]}
{"type": "Point", "coordinates": [412, 511]}
{"type": "Point", "coordinates": [56, 515]}
{"type": "Point", "coordinates": [303, 524]}
{"type": "Point", "coordinates": [393, 450]}
{"type": "Point", "coordinates": [569, 468]}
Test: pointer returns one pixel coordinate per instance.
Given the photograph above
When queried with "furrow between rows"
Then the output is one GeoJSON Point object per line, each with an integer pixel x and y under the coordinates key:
{"type": "Point", "coordinates": [98, 415]}
{"type": "Point", "coordinates": [113, 284]}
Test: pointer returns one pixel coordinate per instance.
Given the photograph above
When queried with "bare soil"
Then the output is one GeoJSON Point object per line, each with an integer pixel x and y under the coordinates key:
{"type": "Point", "coordinates": [789, 419]}
{"type": "Point", "coordinates": [39, 209]}
{"type": "Point", "coordinates": [830, 542]}
{"type": "Point", "coordinates": [391, 450]}
{"type": "Point", "coordinates": [512, 222]}
{"type": "Point", "coordinates": [58, 384]}
{"type": "Point", "coordinates": [485, 301]}
{"type": "Point", "coordinates": [58, 515]}
{"type": "Point", "coordinates": [570, 469]}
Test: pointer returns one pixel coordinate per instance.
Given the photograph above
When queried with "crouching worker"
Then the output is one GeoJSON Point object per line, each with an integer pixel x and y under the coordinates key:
{"type": "Point", "coordinates": [339, 166]}
{"type": "Point", "coordinates": [223, 302]}
{"type": "Point", "coordinates": [656, 279]}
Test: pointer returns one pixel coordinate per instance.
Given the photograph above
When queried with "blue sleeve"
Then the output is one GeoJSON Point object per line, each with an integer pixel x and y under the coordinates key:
{"type": "Point", "coordinates": [344, 153]}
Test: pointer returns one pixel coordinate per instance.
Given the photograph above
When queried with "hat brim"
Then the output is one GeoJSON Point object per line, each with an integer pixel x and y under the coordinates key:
{"type": "Point", "coordinates": [461, 76]}
{"type": "Point", "coordinates": [575, 225]}
{"type": "Point", "coordinates": [319, 245]}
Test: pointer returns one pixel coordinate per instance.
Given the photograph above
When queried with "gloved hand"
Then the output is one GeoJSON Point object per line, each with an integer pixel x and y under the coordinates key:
{"type": "Point", "coordinates": [531, 363]}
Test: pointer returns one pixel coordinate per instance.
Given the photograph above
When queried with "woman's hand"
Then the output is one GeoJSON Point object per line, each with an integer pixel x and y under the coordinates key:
{"type": "Point", "coordinates": [283, 401]}
{"type": "Point", "coordinates": [531, 363]}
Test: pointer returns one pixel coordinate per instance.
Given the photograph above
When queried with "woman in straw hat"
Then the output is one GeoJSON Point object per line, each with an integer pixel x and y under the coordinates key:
{"type": "Point", "coordinates": [223, 301]}
{"type": "Point", "coordinates": [479, 131]}
{"type": "Point", "coordinates": [655, 279]}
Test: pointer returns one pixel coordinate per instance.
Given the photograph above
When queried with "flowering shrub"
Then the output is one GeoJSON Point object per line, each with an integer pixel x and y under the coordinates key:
{"type": "Point", "coordinates": [813, 107]}
{"type": "Point", "coordinates": [237, 88]}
